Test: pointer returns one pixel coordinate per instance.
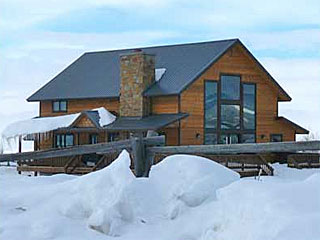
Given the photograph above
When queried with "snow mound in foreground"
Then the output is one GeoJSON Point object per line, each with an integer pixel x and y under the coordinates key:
{"type": "Point", "coordinates": [113, 197]}
{"type": "Point", "coordinates": [186, 197]}
{"type": "Point", "coordinates": [101, 196]}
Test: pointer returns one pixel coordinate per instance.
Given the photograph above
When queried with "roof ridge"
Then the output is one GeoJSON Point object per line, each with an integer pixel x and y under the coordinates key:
{"type": "Point", "coordinates": [160, 46]}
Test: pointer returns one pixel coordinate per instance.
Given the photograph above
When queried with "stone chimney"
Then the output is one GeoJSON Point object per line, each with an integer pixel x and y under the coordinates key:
{"type": "Point", "coordinates": [137, 73]}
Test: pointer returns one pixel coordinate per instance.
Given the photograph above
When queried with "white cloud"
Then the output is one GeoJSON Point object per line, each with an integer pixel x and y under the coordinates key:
{"type": "Point", "coordinates": [301, 79]}
{"type": "Point", "coordinates": [18, 14]}
{"type": "Point", "coordinates": [43, 55]}
{"type": "Point", "coordinates": [249, 13]}
{"type": "Point", "coordinates": [305, 40]}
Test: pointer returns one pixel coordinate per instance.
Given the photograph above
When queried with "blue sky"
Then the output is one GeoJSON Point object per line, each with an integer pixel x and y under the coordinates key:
{"type": "Point", "coordinates": [41, 38]}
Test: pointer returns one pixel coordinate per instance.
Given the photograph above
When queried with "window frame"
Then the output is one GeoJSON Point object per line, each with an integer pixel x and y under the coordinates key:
{"type": "Point", "coordinates": [210, 130]}
{"type": "Point", "coordinates": [59, 102]}
{"type": "Point", "coordinates": [240, 91]}
{"type": "Point", "coordinates": [218, 131]}
{"type": "Point", "coordinates": [64, 137]}
{"type": "Point", "coordinates": [93, 135]}
{"type": "Point", "coordinates": [255, 105]}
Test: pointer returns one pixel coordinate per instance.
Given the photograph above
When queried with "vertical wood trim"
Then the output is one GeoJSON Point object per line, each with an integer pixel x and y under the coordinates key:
{"type": "Point", "coordinates": [179, 123]}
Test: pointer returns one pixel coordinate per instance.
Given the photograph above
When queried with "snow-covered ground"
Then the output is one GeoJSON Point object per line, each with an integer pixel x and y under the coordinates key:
{"type": "Point", "coordinates": [185, 198]}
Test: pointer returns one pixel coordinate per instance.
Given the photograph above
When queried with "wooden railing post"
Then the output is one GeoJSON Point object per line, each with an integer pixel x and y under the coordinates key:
{"type": "Point", "coordinates": [139, 154]}
{"type": "Point", "coordinates": [149, 162]}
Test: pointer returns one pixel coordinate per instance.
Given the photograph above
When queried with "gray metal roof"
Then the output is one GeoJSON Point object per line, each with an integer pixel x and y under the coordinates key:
{"type": "Point", "coordinates": [152, 122]}
{"type": "Point", "coordinates": [96, 74]}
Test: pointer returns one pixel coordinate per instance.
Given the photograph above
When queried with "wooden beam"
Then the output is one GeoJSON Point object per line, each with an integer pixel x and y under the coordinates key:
{"type": "Point", "coordinates": [101, 160]}
{"type": "Point", "coordinates": [239, 148]}
{"type": "Point", "coordinates": [68, 164]}
{"type": "Point", "coordinates": [80, 150]}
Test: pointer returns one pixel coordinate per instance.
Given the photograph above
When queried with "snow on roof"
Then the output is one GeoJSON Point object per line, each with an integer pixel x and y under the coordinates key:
{"type": "Point", "coordinates": [159, 73]}
{"type": "Point", "coordinates": [46, 124]}
{"type": "Point", "coordinates": [105, 116]}
{"type": "Point", "coordinates": [38, 125]}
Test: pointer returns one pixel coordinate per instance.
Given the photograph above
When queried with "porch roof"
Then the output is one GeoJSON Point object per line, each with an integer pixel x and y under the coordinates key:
{"type": "Point", "coordinates": [99, 117]}
{"type": "Point", "coordinates": [152, 122]}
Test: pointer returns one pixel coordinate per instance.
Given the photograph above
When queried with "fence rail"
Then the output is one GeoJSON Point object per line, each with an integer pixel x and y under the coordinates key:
{"type": "Point", "coordinates": [99, 148]}
{"type": "Point", "coordinates": [144, 151]}
{"type": "Point", "coordinates": [239, 148]}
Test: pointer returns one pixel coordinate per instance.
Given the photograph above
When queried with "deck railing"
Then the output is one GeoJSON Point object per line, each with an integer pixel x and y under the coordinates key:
{"type": "Point", "coordinates": [146, 150]}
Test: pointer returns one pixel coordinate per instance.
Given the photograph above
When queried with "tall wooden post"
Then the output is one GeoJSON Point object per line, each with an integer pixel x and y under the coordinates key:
{"type": "Point", "coordinates": [20, 150]}
{"type": "Point", "coordinates": [20, 144]}
{"type": "Point", "coordinates": [139, 154]}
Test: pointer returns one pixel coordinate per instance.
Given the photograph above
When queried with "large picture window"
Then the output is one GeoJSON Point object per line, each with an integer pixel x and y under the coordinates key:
{"type": "Point", "coordinates": [230, 116]}
{"type": "Point", "coordinates": [230, 87]}
{"type": "Point", "coordinates": [211, 118]}
{"type": "Point", "coordinates": [211, 112]}
{"type": "Point", "coordinates": [229, 111]}
{"type": "Point", "coordinates": [249, 106]}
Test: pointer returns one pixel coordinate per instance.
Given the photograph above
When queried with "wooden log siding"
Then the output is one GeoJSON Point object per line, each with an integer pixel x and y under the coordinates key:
{"type": "Point", "coordinates": [79, 105]}
{"type": "Point", "coordinates": [234, 61]}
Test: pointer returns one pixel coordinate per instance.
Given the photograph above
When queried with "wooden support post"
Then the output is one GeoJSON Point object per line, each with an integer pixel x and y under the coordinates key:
{"type": "Point", "coordinates": [149, 162]}
{"type": "Point", "coordinates": [20, 144]}
{"type": "Point", "coordinates": [101, 160]}
{"type": "Point", "coordinates": [139, 154]}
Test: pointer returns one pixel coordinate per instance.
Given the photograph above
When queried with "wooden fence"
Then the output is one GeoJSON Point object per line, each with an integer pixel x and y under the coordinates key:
{"type": "Point", "coordinates": [146, 151]}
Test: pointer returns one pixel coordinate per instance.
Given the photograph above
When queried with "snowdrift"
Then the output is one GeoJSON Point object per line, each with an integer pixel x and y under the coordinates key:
{"type": "Point", "coordinates": [185, 197]}
{"type": "Point", "coordinates": [113, 197]}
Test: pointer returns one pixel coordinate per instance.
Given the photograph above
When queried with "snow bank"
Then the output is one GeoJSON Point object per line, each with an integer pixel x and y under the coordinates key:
{"type": "Point", "coordinates": [113, 197]}
{"type": "Point", "coordinates": [187, 181]}
{"type": "Point", "coordinates": [101, 197]}
{"type": "Point", "coordinates": [186, 197]}
{"type": "Point", "coordinates": [267, 209]}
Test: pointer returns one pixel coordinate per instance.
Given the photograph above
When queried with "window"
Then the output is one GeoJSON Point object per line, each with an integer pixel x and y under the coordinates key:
{"type": "Point", "coordinates": [211, 116]}
{"type": "Point", "coordinates": [210, 138]}
{"type": "Point", "coordinates": [248, 138]}
{"type": "Point", "coordinates": [211, 112]}
{"type": "Point", "coordinates": [229, 111]}
{"type": "Point", "coordinates": [230, 117]}
{"type": "Point", "coordinates": [230, 87]}
{"type": "Point", "coordinates": [59, 106]}
{"type": "Point", "coordinates": [64, 140]}
{"type": "Point", "coordinates": [93, 138]}
{"type": "Point", "coordinates": [276, 138]}
{"type": "Point", "coordinates": [114, 136]}
{"type": "Point", "coordinates": [249, 106]}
